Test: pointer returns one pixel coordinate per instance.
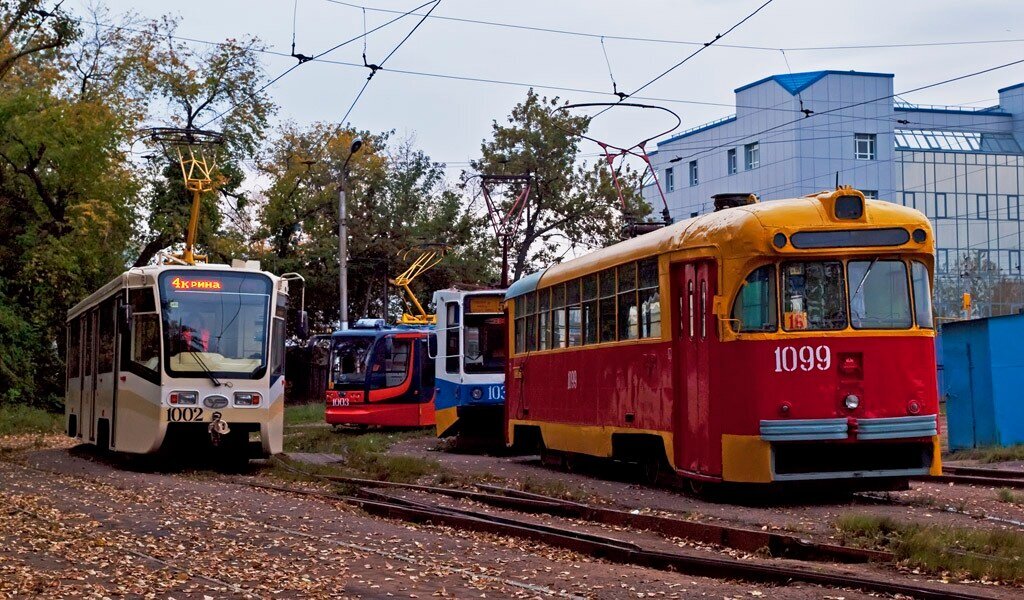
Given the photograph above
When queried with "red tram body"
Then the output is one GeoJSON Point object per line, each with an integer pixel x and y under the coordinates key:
{"type": "Point", "coordinates": [781, 341]}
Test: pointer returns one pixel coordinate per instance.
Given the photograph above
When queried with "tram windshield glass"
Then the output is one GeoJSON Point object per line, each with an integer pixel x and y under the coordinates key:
{"type": "Point", "coordinates": [350, 357]}
{"type": "Point", "coordinates": [215, 323]}
{"type": "Point", "coordinates": [484, 344]}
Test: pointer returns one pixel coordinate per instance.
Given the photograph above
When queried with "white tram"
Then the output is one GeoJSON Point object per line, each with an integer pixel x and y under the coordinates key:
{"type": "Point", "coordinates": [183, 359]}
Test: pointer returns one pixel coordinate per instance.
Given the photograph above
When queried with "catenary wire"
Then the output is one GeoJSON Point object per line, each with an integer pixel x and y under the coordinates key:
{"type": "Point", "coordinates": [585, 34]}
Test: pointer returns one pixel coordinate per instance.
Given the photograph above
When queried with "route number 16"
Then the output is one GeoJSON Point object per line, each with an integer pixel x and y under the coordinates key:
{"type": "Point", "coordinates": [805, 358]}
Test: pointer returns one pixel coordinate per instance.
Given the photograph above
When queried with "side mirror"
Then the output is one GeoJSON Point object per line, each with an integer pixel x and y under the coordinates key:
{"type": "Point", "coordinates": [303, 326]}
{"type": "Point", "coordinates": [432, 346]}
{"type": "Point", "coordinates": [124, 318]}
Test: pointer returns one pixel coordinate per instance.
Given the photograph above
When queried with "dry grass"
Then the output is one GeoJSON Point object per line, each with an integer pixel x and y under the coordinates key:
{"type": "Point", "coordinates": [991, 454]}
{"type": "Point", "coordinates": [362, 454]}
{"type": "Point", "coordinates": [304, 413]}
{"type": "Point", "coordinates": [1007, 495]}
{"type": "Point", "coordinates": [963, 553]}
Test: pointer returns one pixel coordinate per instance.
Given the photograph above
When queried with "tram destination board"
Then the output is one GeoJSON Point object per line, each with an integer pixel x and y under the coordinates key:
{"type": "Point", "coordinates": [483, 305]}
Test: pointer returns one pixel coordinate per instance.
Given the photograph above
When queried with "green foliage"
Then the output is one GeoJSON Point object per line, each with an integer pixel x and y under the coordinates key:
{"type": "Point", "coordinates": [975, 553]}
{"type": "Point", "coordinates": [571, 206]}
{"type": "Point", "coordinates": [304, 413]}
{"type": "Point", "coordinates": [396, 199]}
{"type": "Point", "coordinates": [15, 419]}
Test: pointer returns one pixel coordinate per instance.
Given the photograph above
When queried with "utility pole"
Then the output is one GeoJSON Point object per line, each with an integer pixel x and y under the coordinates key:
{"type": "Point", "coordinates": [343, 238]}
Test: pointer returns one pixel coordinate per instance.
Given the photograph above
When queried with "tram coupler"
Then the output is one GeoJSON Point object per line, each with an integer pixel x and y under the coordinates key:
{"type": "Point", "coordinates": [218, 428]}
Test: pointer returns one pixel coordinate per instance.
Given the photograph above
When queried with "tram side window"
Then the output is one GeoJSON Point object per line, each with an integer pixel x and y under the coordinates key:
{"type": "Point", "coordinates": [879, 298]}
{"type": "Point", "coordinates": [74, 348]}
{"type": "Point", "coordinates": [451, 338]}
{"type": "Point", "coordinates": [544, 318]}
{"type": "Point", "coordinates": [105, 353]}
{"type": "Point", "coordinates": [755, 308]}
{"type": "Point", "coordinates": [531, 322]}
{"type": "Point", "coordinates": [590, 309]}
{"type": "Point", "coordinates": [558, 316]}
{"type": "Point", "coordinates": [277, 346]}
{"type": "Point", "coordinates": [146, 341]}
{"type": "Point", "coordinates": [650, 298]}
{"type": "Point", "coordinates": [606, 307]}
{"type": "Point", "coordinates": [396, 367]}
{"type": "Point", "coordinates": [520, 324]}
{"type": "Point", "coordinates": [922, 295]}
{"type": "Point", "coordinates": [814, 296]}
{"type": "Point", "coordinates": [629, 316]}
{"type": "Point", "coordinates": [574, 313]}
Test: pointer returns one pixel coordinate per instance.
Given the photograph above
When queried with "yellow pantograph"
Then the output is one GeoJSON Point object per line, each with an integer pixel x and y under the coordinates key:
{"type": "Point", "coordinates": [428, 256]}
{"type": "Point", "coordinates": [197, 174]}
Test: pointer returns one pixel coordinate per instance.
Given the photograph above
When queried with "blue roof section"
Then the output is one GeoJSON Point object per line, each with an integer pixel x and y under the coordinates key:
{"type": "Point", "coordinates": [794, 83]}
{"type": "Point", "coordinates": [697, 130]}
{"type": "Point", "coordinates": [1012, 87]}
{"type": "Point", "coordinates": [524, 285]}
{"type": "Point", "coordinates": [989, 112]}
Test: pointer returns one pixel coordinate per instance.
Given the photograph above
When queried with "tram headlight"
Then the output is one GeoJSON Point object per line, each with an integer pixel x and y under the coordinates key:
{"type": "Point", "coordinates": [247, 399]}
{"type": "Point", "coordinates": [477, 393]}
{"type": "Point", "coordinates": [178, 398]}
{"type": "Point", "coordinates": [851, 401]}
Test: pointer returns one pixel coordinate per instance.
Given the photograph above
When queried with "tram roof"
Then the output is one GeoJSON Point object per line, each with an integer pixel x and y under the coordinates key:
{"type": "Point", "coordinates": [734, 232]}
{"type": "Point", "coordinates": [142, 276]}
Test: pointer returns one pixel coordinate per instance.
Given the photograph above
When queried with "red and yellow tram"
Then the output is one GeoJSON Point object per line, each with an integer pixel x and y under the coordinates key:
{"type": "Point", "coordinates": [765, 342]}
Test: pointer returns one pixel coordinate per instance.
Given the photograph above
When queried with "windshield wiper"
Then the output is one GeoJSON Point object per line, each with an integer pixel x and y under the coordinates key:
{"type": "Point", "coordinates": [206, 369]}
{"type": "Point", "coordinates": [864, 278]}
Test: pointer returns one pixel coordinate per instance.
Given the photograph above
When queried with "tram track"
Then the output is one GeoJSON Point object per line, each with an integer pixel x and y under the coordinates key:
{"type": "Point", "coordinates": [979, 476]}
{"type": "Point", "coordinates": [392, 506]}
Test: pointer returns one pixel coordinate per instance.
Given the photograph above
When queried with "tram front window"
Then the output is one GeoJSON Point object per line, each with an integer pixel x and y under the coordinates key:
{"type": "Point", "coordinates": [814, 295]}
{"type": "Point", "coordinates": [349, 359]}
{"type": "Point", "coordinates": [484, 344]}
{"type": "Point", "coordinates": [215, 323]}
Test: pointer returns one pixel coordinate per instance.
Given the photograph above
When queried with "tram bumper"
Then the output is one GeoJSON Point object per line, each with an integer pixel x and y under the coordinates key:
{"type": "Point", "coordinates": [839, 448]}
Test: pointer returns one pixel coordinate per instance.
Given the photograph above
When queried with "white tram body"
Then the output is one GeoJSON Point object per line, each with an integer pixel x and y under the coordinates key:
{"type": "Point", "coordinates": [180, 357]}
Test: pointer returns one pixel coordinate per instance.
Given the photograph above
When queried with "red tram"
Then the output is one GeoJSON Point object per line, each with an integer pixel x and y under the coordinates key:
{"type": "Point", "coordinates": [765, 342]}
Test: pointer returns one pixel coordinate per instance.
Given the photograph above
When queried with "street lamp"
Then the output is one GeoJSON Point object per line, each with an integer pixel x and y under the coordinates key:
{"type": "Point", "coordinates": [343, 237]}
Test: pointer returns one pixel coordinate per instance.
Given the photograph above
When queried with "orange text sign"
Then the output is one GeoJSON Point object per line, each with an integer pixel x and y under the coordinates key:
{"type": "Point", "coordinates": [796, 320]}
{"type": "Point", "coordinates": [186, 284]}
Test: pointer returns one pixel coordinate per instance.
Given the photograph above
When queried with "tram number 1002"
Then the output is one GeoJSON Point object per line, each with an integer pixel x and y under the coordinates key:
{"type": "Point", "coordinates": [177, 414]}
{"type": "Point", "coordinates": [805, 358]}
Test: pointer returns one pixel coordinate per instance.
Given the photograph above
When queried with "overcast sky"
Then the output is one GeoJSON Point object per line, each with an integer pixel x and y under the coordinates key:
{"type": "Point", "coordinates": [450, 118]}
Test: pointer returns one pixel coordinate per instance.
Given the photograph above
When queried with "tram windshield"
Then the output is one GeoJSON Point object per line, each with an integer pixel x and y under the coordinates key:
{"type": "Point", "coordinates": [215, 323]}
{"type": "Point", "coordinates": [349, 359]}
{"type": "Point", "coordinates": [484, 341]}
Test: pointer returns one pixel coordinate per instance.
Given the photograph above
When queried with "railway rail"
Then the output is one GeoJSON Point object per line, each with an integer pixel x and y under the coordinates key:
{"type": "Point", "coordinates": [978, 476]}
{"type": "Point", "coordinates": [366, 495]}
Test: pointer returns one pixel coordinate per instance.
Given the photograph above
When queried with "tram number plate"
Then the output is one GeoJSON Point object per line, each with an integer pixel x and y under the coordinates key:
{"type": "Point", "coordinates": [178, 414]}
{"type": "Point", "coordinates": [804, 358]}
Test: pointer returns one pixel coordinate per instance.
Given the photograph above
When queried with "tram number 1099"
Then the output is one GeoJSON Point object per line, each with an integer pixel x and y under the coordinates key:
{"type": "Point", "coordinates": [804, 358]}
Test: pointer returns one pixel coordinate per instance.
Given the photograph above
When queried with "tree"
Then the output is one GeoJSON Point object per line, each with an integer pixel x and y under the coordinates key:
{"type": "Point", "coordinates": [396, 199]}
{"type": "Point", "coordinates": [571, 205]}
{"type": "Point", "coordinates": [220, 87]}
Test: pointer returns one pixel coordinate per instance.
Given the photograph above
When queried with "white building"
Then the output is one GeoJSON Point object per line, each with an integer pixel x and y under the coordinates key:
{"type": "Point", "coordinates": [792, 134]}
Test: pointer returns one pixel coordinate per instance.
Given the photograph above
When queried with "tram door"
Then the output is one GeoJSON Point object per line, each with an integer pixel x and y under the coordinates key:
{"type": "Point", "coordinates": [694, 421]}
{"type": "Point", "coordinates": [88, 418]}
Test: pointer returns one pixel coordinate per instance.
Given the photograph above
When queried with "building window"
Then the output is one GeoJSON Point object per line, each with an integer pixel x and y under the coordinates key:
{"type": "Point", "coordinates": [670, 180]}
{"type": "Point", "coordinates": [910, 199]}
{"type": "Point", "coordinates": [731, 161]}
{"type": "Point", "coordinates": [751, 156]}
{"type": "Point", "coordinates": [870, 194]}
{"type": "Point", "coordinates": [693, 173]}
{"type": "Point", "coordinates": [981, 206]}
{"type": "Point", "coordinates": [1013, 208]}
{"type": "Point", "coordinates": [941, 212]}
{"type": "Point", "coordinates": [864, 146]}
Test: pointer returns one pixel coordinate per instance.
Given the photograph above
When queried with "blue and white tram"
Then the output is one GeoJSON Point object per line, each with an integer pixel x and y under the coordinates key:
{"type": "Point", "coordinates": [186, 359]}
{"type": "Point", "coordinates": [470, 363]}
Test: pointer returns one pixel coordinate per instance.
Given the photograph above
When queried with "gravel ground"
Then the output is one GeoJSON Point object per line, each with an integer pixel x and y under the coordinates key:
{"type": "Point", "coordinates": [72, 525]}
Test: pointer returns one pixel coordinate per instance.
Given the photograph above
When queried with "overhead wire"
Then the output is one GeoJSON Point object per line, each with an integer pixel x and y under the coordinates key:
{"type": "Point", "coordinates": [305, 59]}
{"type": "Point", "coordinates": [585, 34]}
